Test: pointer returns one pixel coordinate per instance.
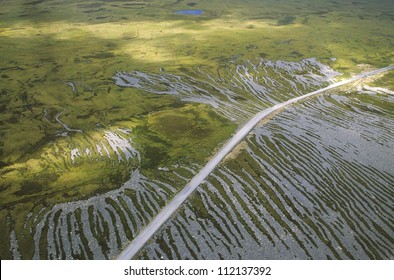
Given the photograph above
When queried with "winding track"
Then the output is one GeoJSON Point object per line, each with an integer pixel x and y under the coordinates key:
{"type": "Point", "coordinates": [139, 241]}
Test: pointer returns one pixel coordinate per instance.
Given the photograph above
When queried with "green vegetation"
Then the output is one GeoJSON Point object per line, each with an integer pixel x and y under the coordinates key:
{"type": "Point", "coordinates": [185, 135]}
{"type": "Point", "coordinates": [386, 81]}
{"type": "Point", "coordinates": [57, 60]}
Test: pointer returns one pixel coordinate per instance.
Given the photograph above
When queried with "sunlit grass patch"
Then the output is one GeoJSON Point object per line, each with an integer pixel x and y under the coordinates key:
{"type": "Point", "coordinates": [177, 136]}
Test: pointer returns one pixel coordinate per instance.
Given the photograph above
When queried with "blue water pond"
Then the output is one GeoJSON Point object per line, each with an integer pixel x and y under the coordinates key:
{"type": "Point", "coordinates": [189, 12]}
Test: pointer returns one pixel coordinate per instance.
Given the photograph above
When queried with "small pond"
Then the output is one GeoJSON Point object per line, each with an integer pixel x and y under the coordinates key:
{"type": "Point", "coordinates": [189, 12]}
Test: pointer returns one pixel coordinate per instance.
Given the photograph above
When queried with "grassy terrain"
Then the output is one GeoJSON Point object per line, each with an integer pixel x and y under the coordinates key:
{"type": "Point", "coordinates": [57, 60]}
{"type": "Point", "coordinates": [387, 81]}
